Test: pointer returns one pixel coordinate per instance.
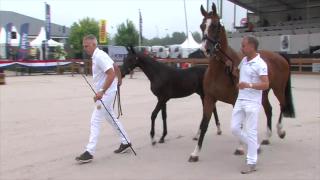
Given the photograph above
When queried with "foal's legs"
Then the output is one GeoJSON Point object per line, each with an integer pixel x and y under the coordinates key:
{"type": "Point", "coordinates": [216, 118]}
{"type": "Point", "coordinates": [207, 112]}
{"type": "Point", "coordinates": [153, 118]}
{"type": "Point", "coordinates": [268, 111]}
{"type": "Point", "coordinates": [164, 118]}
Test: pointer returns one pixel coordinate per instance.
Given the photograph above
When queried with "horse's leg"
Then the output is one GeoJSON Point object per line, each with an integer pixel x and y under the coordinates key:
{"type": "Point", "coordinates": [207, 112]}
{"type": "Point", "coordinates": [268, 111]}
{"type": "Point", "coordinates": [281, 97]}
{"type": "Point", "coordinates": [164, 118]}
{"type": "Point", "coordinates": [153, 118]}
{"type": "Point", "coordinates": [216, 118]}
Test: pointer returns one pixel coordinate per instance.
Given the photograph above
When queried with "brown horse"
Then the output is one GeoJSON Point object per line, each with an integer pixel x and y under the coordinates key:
{"type": "Point", "coordinates": [221, 78]}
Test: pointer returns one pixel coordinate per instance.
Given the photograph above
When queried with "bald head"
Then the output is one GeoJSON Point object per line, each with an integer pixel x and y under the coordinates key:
{"type": "Point", "coordinates": [252, 41]}
{"type": "Point", "coordinates": [89, 44]}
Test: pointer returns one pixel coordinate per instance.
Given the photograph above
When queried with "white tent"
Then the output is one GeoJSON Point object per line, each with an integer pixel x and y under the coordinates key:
{"type": "Point", "coordinates": [15, 42]}
{"type": "Point", "coordinates": [2, 35]}
{"type": "Point", "coordinates": [52, 42]}
{"type": "Point", "coordinates": [41, 37]}
{"type": "Point", "coordinates": [2, 43]}
{"type": "Point", "coordinates": [189, 46]}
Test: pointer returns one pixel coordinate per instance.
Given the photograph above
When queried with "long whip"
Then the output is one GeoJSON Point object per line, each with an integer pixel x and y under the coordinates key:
{"type": "Point", "coordinates": [109, 114]}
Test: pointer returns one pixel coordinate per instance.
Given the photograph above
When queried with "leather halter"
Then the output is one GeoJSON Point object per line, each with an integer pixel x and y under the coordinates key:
{"type": "Point", "coordinates": [216, 47]}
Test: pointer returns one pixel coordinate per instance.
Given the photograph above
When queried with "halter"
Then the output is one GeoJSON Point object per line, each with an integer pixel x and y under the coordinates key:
{"type": "Point", "coordinates": [215, 42]}
{"type": "Point", "coordinates": [216, 47]}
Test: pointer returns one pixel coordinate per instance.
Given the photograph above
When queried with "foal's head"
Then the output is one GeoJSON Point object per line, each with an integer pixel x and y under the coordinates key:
{"type": "Point", "coordinates": [213, 32]}
{"type": "Point", "coordinates": [130, 62]}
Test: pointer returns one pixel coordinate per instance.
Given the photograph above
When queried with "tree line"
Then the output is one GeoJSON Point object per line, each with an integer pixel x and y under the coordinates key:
{"type": "Point", "coordinates": [127, 35]}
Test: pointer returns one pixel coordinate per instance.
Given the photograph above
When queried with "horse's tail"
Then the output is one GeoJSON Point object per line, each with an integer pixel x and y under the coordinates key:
{"type": "Point", "coordinates": [288, 110]}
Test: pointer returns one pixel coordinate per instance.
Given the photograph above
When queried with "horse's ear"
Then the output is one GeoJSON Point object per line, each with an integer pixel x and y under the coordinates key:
{"type": "Point", "coordinates": [203, 11]}
{"type": "Point", "coordinates": [129, 50]}
{"type": "Point", "coordinates": [214, 8]}
{"type": "Point", "coordinates": [132, 50]}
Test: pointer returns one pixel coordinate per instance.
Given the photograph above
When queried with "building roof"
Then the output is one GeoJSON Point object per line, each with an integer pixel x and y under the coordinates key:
{"type": "Point", "coordinates": [269, 6]}
{"type": "Point", "coordinates": [57, 31]}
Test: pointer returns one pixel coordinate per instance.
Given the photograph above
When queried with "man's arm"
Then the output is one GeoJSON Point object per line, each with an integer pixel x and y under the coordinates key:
{"type": "Point", "coordinates": [263, 85]}
{"type": "Point", "coordinates": [110, 77]}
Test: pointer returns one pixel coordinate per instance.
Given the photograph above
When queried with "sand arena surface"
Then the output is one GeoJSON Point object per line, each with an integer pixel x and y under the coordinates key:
{"type": "Point", "coordinates": [45, 120]}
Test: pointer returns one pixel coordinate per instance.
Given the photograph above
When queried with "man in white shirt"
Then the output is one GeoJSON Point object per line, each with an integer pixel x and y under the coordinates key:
{"type": "Point", "coordinates": [252, 81]}
{"type": "Point", "coordinates": [105, 85]}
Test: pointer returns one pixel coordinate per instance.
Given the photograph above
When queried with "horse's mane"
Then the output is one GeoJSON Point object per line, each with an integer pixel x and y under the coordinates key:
{"type": "Point", "coordinates": [154, 63]}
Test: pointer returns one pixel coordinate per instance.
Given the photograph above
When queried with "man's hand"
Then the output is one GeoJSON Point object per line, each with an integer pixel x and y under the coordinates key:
{"type": "Point", "coordinates": [98, 96]}
{"type": "Point", "coordinates": [243, 85]}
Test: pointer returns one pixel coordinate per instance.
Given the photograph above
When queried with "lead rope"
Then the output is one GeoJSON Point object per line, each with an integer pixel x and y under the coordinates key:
{"type": "Point", "coordinates": [117, 97]}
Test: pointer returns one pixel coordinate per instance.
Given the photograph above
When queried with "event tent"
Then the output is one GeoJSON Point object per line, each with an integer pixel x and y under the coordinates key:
{"type": "Point", "coordinates": [41, 37]}
{"type": "Point", "coordinates": [189, 46]}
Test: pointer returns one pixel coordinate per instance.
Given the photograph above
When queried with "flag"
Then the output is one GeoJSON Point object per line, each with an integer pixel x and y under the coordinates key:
{"type": "Point", "coordinates": [24, 45]}
{"type": "Point", "coordinates": [102, 31]}
{"type": "Point", "coordinates": [48, 21]}
{"type": "Point", "coordinates": [140, 26]}
{"type": "Point", "coordinates": [8, 39]}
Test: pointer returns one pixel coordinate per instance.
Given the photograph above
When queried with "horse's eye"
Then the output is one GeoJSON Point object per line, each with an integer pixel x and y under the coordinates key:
{"type": "Point", "coordinates": [202, 26]}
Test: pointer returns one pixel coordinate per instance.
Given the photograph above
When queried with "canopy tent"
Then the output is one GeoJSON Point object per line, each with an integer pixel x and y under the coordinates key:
{"type": "Point", "coordinates": [189, 46]}
{"type": "Point", "coordinates": [2, 43]}
{"type": "Point", "coordinates": [42, 37]}
{"type": "Point", "coordinates": [2, 35]}
{"type": "Point", "coordinates": [15, 42]}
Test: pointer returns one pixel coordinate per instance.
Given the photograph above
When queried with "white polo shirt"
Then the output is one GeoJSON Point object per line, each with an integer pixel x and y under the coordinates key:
{"type": "Point", "coordinates": [101, 62]}
{"type": "Point", "coordinates": [250, 72]}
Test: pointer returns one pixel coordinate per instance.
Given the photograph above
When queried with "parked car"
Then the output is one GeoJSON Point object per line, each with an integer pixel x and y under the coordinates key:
{"type": "Point", "coordinates": [117, 53]}
{"type": "Point", "coordinates": [145, 49]}
{"type": "Point", "coordinates": [160, 51]}
{"type": "Point", "coordinates": [175, 51]}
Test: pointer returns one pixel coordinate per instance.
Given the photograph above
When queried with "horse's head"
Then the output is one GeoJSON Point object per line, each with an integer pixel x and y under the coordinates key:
{"type": "Point", "coordinates": [130, 62]}
{"type": "Point", "coordinates": [212, 31]}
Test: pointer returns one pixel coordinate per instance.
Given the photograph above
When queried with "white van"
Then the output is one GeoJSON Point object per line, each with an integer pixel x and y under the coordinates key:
{"type": "Point", "coordinates": [146, 50]}
{"type": "Point", "coordinates": [175, 51]}
{"type": "Point", "coordinates": [160, 51]}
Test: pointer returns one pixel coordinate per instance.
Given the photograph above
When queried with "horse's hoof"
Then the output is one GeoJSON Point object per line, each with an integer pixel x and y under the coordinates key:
{"type": "Point", "coordinates": [153, 143]}
{"type": "Point", "coordinates": [194, 159]}
{"type": "Point", "coordinates": [238, 152]}
{"type": "Point", "coordinates": [282, 135]}
{"type": "Point", "coordinates": [161, 141]}
{"type": "Point", "coordinates": [265, 142]}
{"type": "Point", "coordinates": [195, 139]}
{"type": "Point", "coordinates": [219, 132]}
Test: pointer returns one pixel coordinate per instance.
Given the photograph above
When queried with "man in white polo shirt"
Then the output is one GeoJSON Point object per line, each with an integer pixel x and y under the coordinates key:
{"type": "Point", "coordinates": [252, 81]}
{"type": "Point", "coordinates": [105, 85]}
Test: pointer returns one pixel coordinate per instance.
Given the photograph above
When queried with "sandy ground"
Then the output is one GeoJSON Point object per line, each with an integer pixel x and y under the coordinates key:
{"type": "Point", "coordinates": [44, 125]}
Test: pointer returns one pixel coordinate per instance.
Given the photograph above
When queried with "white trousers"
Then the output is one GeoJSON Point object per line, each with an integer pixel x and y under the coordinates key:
{"type": "Point", "coordinates": [244, 125]}
{"type": "Point", "coordinates": [98, 116]}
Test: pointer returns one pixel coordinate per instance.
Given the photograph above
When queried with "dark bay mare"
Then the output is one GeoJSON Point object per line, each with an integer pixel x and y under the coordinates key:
{"type": "Point", "coordinates": [166, 83]}
{"type": "Point", "coordinates": [221, 78]}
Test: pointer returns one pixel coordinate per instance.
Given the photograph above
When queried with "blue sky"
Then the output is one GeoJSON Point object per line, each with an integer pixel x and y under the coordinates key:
{"type": "Point", "coordinates": [160, 17]}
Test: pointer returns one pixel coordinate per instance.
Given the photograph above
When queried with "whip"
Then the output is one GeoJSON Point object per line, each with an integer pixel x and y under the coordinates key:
{"type": "Point", "coordinates": [109, 114]}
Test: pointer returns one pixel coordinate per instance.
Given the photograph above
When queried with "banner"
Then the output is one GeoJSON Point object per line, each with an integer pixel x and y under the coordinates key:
{"type": "Point", "coordinates": [48, 21]}
{"type": "Point", "coordinates": [140, 26]}
{"type": "Point", "coordinates": [24, 43]}
{"type": "Point", "coordinates": [102, 32]}
{"type": "Point", "coordinates": [285, 43]}
{"type": "Point", "coordinates": [8, 40]}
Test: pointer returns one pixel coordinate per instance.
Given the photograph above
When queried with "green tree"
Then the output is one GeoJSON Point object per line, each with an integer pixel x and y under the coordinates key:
{"type": "Point", "coordinates": [197, 37]}
{"type": "Point", "coordinates": [127, 34]}
{"type": "Point", "coordinates": [78, 31]}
